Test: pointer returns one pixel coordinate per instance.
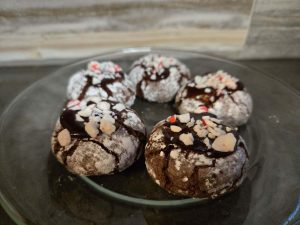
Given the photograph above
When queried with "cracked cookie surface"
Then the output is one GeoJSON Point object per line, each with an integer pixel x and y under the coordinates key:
{"type": "Point", "coordinates": [196, 155]}
{"type": "Point", "coordinates": [96, 137]}
{"type": "Point", "coordinates": [222, 94]}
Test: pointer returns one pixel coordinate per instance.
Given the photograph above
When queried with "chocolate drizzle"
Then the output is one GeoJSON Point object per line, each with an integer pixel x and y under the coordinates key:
{"type": "Point", "coordinates": [77, 130]}
{"type": "Point", "coordinates": [107, 80]}
{"type": "Point", "coordinates": [139, 90]}
{"type": "Point", "coordinates": [69, 152]}
{"type": "Point", "coordinates": [153, 74]}
{"type": "Point", "coordinates": [172, 141]}
{"type": "Point", "coordinates": [116, 156]}
{"type": "Point", "coordinates": [68, 121]}
{"type": "Point", "coordinates": [209, 95]}
{"type": "Point", "coordinates": [89, 82]}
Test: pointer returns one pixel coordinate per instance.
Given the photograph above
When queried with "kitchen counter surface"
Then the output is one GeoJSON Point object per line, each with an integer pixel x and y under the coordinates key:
{"type": "Point", "coordinates": [13, 80]}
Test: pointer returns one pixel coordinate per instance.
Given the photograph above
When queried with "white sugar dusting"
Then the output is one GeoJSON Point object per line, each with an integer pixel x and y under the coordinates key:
{"type": "Point", "coordinates": [119, 86]}
{"type": "Point", "coordinates": [151, 69]}
{"type": "Point", "coordinates": [232, 108]}
{"type": "Point", "coordinates": [100, 124]}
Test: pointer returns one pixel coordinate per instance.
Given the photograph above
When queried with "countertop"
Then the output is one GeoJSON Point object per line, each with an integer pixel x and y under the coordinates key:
{"type": "Point", "coordinates": [13, 80]}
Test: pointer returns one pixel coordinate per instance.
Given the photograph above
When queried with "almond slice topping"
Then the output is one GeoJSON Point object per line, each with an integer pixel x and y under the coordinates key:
{"type": "Point", "coordinates": [107, 127]}
{"type": "Point", "coordinates": [91, 130]}
{"type": "Point", "coordinates": [64, 137]}
{"type": "Point", "coordinates": [175, 129]}
{"type": "Point", "coordinates": [224, 143]}
{"type": "Point", "coordinates": [187, 139]}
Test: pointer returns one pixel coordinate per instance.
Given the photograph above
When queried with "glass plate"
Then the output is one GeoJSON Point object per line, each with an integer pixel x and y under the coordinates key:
{"type": "Point", "coordinates": [36, 189]}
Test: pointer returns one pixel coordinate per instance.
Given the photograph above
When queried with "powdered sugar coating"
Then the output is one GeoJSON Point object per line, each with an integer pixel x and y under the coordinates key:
{"type": "Point", "coordinates": [105, 80]}
{"type": "Point", "coordinates": [223, 95]}
{"type": "Point", "coordinates": [106, 137]}
{"type": "Point", "coordinates": [196, 169]}
{"type": "Point", "coordinates": [158, 78]}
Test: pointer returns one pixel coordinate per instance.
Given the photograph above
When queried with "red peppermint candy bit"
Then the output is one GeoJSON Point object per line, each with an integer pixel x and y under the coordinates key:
{"type": "Point", "coordinates": [160, 64]}
{"type": "Point", "coordinates": [203, 121]}
{"type": "Point", "coordinates": [95, 66]}
{"type": "Point", "coordinates": [220, 78]}
{"type": "Point", "coordinates": [203, 108]}
{"type": "Point", "coordinates": [73, 103]}
{"type": "Point", "coordinates": [172, 119]}
{"type": "Point", "coordinates": [117, 68]}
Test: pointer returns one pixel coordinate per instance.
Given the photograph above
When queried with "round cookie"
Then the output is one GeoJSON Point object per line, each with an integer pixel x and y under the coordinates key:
{"type": "Point", "coordinates": [196, 155]}
{"type": "Point", "coordinates": [105, 80]}
{"type": "Point", "coordinates": [158, 78]}
{"type": "Point", "coordinates": [96, 137]}
{"type": "Point", "coordinates": [223, 95]}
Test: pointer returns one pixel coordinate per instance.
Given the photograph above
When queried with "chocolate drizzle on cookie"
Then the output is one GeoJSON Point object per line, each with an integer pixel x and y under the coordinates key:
{"type": "Point", "coordinates": [76, 128]}
{"type": "Point", "coordinates": [108, 79]}
{"type": "Point", "coordinates": [198, 144]}
{"type": "Point", "coordinates": [155, 72]}
{"type": "Point", "coordinates": [187, 155]}
{"type": "Point", "coordinates": [75, 121]}
{"type": "Point", "coordinates": [209, 94]}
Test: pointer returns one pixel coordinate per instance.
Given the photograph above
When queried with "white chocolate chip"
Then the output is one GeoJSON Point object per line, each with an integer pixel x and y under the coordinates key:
{"type": "Point", "coordinates": [224, 143]}
{"type": "Point", "coordinates": [119, 107]}
{"type": "Point", "coordinates": [64, 137]}
{"type": "Point", "coordinates": [107, 127]}
{"type": "Point", "coordinates": [215, 120]}
{"type": "Point", "coordinates": [91, 129]}
{"type": "Point", "coordinates": [191, 123]}
{"type": "Point", "coordinates": [184, 118]}
{"type": "Point", "coordinates": [187, 139]}
{"type": "Point", "coordinates": [175, 128]}
{"type": "Point", "coordinates": [201, 132]}
{"type": "Point", "coordinates": [198, 122]}
{"type": "Point", "coordinates": [79, 118]}
{"type": "Point", "coordinates": [198, 79]}
{"type": "Point", "coordinates": [228, 129]}
{"type": "Point", "coordinates": [213, 131]}
{"type": "Point", "coordinates": [86, 112]}
{"type": "Point", "coordinates": [185, 179]}
{"type": "Point", "coordinates": [210, 123]}
{"type": "Point", "coordinates": [211, 136]}
{"type": "Point", "coordinates": [103, 105]}
{"type": "Point", "coordinates": [162, 154]}
{"type": "Point", "coordinates": [109, 118]}
{"type": "Point", "coordinates": [206, 142]}
{"type": "Point", "coordinates": [174, 154]}
{"type": "Point", "coordinates": [177, 164]}
{"type": "Point", "coordinates": [207, 90]}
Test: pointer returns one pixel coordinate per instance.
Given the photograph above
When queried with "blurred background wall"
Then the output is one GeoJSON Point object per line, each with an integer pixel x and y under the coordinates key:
{"type": "Point", "coordinates": [35, 31]}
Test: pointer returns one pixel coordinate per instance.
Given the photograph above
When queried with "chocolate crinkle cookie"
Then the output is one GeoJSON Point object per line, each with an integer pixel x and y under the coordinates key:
{"type": "Point", "coordinates": [222, 94]}
{"type": "Point", "coordinates": [196, 155]}
{"type": "Point", "coordinates": [158, 78]}
{"type": "Point", "coordinates": [96, 137]}
{"type": "Point", "coordinates": [106, 80]}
